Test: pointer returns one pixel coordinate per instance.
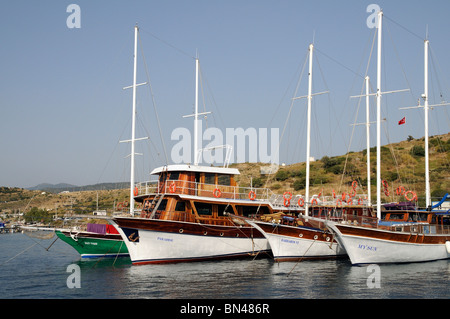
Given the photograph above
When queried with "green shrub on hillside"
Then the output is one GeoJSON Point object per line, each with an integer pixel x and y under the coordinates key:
{"type": "Point", "coordinates": [417, 150]}
{"type": "Point", "coordinates": [282, 175]}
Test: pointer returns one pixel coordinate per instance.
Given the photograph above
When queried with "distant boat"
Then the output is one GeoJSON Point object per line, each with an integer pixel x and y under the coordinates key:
{"type": "Point", "coordinates": [99, 240]}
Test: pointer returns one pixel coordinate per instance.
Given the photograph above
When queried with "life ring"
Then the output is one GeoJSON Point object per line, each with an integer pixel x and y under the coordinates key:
{"type": "Point", "coordinates": [252, 195]}
{"type": "Point", "coordinates": [217, 193]}
{"type": "Point", "coordinates": [414, 197]}
{"type": "Point", "coordinates": [136, 191]}
{"type": "Point", "coordinates": [338, 202]}
{"type": "Point", "coordinates": [119, 206]}
{"type": "Point", "coordinates": [334, 194]}
{"type": "Point", "coordinates": [286, 202]}
{"type": "Point", "coordinates": [314, 201]}
{"type": "Point", "coordinates": [287, 193]}
{"type": "Point", "coordinates": [354, 185]}
{"type": "Point", "coordinates": [360, 201]}
{"type": "Point", "coordinates": [350, 201]}
{"type": "Point", "coordinates": [125, 204]}
{"type": "Point", "coordinates": [301, 202]}
{"type": "Point", "coordinates": [401, 190]}
{"type": "Point", "coordinates": [385, 184]}
{"type": "Point", "coordinates": [386, 192]}
{"type": "Point", "coordinates": [172, 187]}
{"type": "Point", "coordinates": [343, 196]}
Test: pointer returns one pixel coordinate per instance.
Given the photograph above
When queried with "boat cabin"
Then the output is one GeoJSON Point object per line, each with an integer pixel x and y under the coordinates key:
{"type": "Point", "coordinates": [417, 216]}
{"type": "Point", "coordinates": [194, 193]}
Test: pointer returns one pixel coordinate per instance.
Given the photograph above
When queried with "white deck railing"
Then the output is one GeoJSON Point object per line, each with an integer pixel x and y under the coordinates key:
{"type": "Point", "coordinates": [286, 200]}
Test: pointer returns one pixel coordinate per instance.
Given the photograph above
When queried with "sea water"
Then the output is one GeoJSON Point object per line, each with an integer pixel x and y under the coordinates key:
{"type": "Point", "coordinates": [33, 268]}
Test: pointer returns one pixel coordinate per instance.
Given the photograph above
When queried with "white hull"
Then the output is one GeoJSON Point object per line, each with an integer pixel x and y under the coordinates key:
{"type": "Point", "coordinates": [166, 247]}
{"type": "Point", "coordinates": [370, 250]}
{"type": "Point", "coordinates": [285, 247]}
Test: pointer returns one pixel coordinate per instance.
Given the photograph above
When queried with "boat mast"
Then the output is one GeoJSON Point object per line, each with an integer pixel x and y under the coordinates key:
{"type": "Point", "coordinates": [368, 141]}
{"type": "Point", "coordinates": [426, 108]}
{"type": "Point", "coordinates": [133, 124]}
{"type": "Point", "coordinates": [380, 18]}
{"type": "Point", "coordinates": [308, 131]}
{"type": "Point", "coordinates": [427, 172]}
{"type": "Point", "coordinates": [196, 114]}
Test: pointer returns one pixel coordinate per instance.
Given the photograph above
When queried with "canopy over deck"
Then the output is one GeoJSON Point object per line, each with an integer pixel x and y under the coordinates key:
{"type": "Point", "coordinates": [195, 168]}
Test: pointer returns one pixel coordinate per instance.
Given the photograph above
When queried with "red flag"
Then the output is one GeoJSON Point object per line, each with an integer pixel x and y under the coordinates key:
{"type": "Point", "coordinates": [402, 121]}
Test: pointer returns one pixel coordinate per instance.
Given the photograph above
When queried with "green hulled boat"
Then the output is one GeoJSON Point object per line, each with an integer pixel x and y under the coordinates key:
{"type": "Point", "coordinates": [97, 241]}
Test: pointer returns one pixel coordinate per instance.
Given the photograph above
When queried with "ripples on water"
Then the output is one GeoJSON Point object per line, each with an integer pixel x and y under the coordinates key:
{"type": "Point", "coordinates": [38, 273]}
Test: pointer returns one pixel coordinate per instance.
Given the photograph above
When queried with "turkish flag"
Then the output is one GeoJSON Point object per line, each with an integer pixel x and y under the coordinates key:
{"type": "Point", "coordinates": [402, 121]}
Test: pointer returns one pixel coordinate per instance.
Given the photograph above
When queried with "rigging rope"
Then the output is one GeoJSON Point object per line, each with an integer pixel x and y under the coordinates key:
{"type": "Point", "coordinates": [153, 101]}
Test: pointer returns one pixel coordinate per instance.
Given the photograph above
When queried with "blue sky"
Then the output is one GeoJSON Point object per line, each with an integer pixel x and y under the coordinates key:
{"type": "Point", "coordinates": [63, 109]}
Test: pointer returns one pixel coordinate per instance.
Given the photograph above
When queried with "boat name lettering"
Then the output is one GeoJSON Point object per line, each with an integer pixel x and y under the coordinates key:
{"type": "Point", "coordinates": [367, 247]}
{"type": "Point", "coordinates": [164, 239]}
{"type": "Point", "coordinates": [289, 241]}
{"type": "Point", "coordinates": [90, 243]}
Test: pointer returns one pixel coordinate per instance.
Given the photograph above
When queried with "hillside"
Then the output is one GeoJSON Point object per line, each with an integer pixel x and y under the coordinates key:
{"type": "Point", "coordinates": [62, 187]}
{"type": "Point", "coordinates": [13, 200]}
{"type": "Point", "coordinates": [402, 165]}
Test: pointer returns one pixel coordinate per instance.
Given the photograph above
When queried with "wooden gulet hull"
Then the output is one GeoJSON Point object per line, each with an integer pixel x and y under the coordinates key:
{"type": "Point", "coordinates": [154, 241]}
{"type": "Point", "coordinates": [290, 243]}
{"type": "Point", "coordinates": [366, 245]}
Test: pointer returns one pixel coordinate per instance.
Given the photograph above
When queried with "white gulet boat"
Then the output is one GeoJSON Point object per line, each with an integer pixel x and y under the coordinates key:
{"type": "Point", "coordinates": [184, 216]}
{"type": "Point", "coordinates": [367, 241]}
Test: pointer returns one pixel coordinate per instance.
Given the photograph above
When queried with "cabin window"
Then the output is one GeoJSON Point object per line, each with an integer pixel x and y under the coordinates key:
{"type": "Point", "coordinates": [316, 212]}
{"type": "Point", "coordinates": [397, 216]}
{"type": "Point", "coordinates": [210, 178]}
{"type": "Point", "coordinates": [224, 180]}
{"type": "Point", "coordinates": [180, 207]}
{"type": "Point", "coordinates": [174, 176]}
{"type": "Point", "coordinates": [249, 210]}
{"type": "Point", "coordinates": [162, 205]}
{"type": "Point", "coordinates": [221, 209]}
{"type": "Point", "coordinates": [445, 220]}
{"type": "Point", "coordinates": [203, 208]}
{"type": "Point", "coordinates": [162, 177]}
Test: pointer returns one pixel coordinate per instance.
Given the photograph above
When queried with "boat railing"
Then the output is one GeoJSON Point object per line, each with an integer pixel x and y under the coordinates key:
{"type": "Point", "coordinates": [298, 202]}
{"type": "Point", "coordinates": [421, 228]}
{"type": "Point", "coordinates": [182, 187]}
{"type": "Point", "coordinates": [408, 227]}
{"type": "Point", "coordinates": [357, 220]}
{"type": "Point", "coordinates": [285, 201]}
